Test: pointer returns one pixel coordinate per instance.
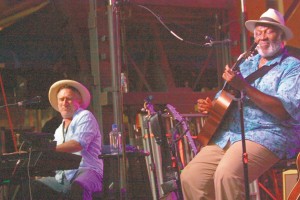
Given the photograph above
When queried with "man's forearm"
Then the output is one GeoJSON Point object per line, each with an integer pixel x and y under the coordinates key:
{"type": "Point", "coordinates": [69, 147]}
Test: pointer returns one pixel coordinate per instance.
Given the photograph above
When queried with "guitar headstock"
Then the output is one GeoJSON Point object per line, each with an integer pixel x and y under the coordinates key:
{"type": "Point", "coordinates": [250, 51]}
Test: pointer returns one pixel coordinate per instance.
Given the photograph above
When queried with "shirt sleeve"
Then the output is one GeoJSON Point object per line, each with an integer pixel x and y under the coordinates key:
{"type": "Point", "coordinates": [288, 90]}
{"type": "Point", "coordinates": [85, 129]}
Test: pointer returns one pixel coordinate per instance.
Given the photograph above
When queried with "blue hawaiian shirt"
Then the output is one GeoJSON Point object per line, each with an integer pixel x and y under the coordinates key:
{"type": "Point", "coordinates": [283, 81]}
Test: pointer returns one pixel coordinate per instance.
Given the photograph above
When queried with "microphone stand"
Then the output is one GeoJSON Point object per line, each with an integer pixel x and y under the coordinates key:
{"type": "Point", "coordinates": [240, 104]}
{"type": "Point", "coordinates": [240, 107]}
{"type": "Point", "coordinates": [245, 154]}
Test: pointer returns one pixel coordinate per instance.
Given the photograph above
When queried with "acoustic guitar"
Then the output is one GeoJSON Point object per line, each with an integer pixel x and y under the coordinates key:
{"type": "Point", "coordinates": [221, 105]}
{"type": "Point", "coordinates": [295, 193]}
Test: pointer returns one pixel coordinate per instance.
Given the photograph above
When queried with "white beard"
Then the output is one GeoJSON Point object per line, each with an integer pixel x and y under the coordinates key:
{"type": "Point", "coordinates": [272, 49]}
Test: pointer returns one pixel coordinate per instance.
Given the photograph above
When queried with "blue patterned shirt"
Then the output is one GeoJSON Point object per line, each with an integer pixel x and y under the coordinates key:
{"type": "Point", "coordinates": [283, 81]}
{"type": "Point", "coordinates": [85, 130]}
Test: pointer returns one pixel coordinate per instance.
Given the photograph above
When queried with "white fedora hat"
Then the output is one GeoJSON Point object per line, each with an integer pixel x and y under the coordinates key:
{"type": "Point", "coordinates": [272, 17]}
{"type": "Point", "coordinates": [84, 92]}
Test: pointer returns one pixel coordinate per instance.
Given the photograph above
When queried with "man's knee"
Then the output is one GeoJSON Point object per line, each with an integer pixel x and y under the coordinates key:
{"type": "Point", "coordinates": [223, 176]}
{"type": "Point", "coordinates": [188, 177]}
{"type": "Point", "coordinates": [184, 177]}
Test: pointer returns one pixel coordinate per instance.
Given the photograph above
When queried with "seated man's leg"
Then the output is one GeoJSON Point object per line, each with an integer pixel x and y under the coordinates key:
{"type": "Point", "coordinates": [197, 176]}
{"type": "Point", "coordinates": [50, 188]}
{"type": "Point", "coordinates": [52, 183]}
{"type": "Point", "coordinates": [229, 177]}
{"type": "Point", "coordinates": [36, 189]}
{"type": "Point", "coordinates": [85, 183]}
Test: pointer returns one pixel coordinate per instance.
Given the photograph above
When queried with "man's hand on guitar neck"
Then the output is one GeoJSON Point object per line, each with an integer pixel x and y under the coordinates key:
{"type": "Point", "coordinates": [270, 104]}
{"type": "Point", "coordinates": [204, 105]}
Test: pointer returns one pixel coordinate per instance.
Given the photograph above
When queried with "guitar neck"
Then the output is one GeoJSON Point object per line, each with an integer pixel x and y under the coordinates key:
{"type": "Point", "coordinates": [190, 139]}
{"type": "Point", "coordinates": [241, 59]}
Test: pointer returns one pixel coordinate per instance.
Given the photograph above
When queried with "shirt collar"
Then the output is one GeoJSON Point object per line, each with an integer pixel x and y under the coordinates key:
{"type": "Point", "coordinates": [75, 113]}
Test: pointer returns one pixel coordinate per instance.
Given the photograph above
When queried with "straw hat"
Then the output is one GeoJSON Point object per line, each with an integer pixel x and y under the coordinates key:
{"type": "Point", "coordinates": [85, 94]}
{"type": "Point", "coordinates": [272, 17]}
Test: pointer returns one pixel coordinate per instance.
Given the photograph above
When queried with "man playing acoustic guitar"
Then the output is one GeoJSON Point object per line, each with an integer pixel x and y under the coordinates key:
{"type": "Point", "coordinates": [271, 118]}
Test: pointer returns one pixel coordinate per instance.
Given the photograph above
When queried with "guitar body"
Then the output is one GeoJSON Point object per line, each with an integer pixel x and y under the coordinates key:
{"type": "Point", "coordinates": [215, 117]}
{"type": "Point", "coordinates": [221, 105]}
{"type": "Point", "coordinates": [295, 193]}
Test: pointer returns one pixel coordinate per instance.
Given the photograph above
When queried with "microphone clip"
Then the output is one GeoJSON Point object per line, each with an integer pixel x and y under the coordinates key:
{"type": "Point", "coordinates": [213, 42]}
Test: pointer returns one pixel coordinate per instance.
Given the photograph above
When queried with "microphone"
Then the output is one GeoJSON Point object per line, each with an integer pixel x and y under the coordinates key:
{"type": "Point", "coordinates": [212, 43]}
{"type": "Point", "coordinates": [34, 100]}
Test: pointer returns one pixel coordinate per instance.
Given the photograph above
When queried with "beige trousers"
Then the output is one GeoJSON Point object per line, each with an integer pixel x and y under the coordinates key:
{"type": "Point", "coordinates": [218, 174]}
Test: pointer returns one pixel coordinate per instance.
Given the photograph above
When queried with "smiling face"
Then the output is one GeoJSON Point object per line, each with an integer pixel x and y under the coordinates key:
{"type": "Point", "coordinates": [69, 100]}
{"type": "Point", "coordinates": [270, 39]}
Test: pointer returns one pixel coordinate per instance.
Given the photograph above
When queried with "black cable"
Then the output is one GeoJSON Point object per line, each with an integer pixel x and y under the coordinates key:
{"type": "Point", "coordinates": [172, 32]}
{"type": "Point", "coordinates": [18, 161]}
